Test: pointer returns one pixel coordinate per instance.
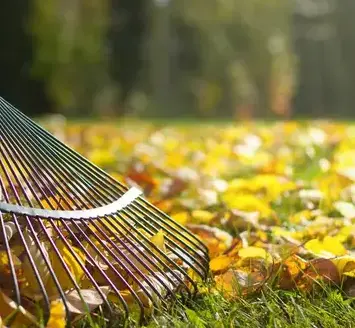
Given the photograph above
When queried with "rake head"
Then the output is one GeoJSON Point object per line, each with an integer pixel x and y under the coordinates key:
{"type": "Point", "coordinates": [70, 232]}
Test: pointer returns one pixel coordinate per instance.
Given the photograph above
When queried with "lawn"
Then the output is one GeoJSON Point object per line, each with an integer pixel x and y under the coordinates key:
{"type": "Point", "coordinates": [274, 204]}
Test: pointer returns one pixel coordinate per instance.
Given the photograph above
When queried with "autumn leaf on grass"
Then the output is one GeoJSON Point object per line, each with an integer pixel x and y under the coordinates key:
{"type": "Point", "coordinates": [328, 247]}
{"type": "Point", "coordinates": [271, 186]}
{"type": "Point", "coordinates": [254, 259]}
{"type": "Point", "coordinates": [195, 217]}
{"type": "Point", "coordinates": [332, 185]}
{"type": "Point", "coordinates": [5, 271]}
{"type": "Point", "coordinates": [323, 270]}
{"type": "Point", "coordinates": [221, 263]}
{"type": "Point", "coordinates": [72, 264]}
{"type": "Point", "coordinates": [18, 315]}
{"type": "Point", "coordinates": [57, 315]}
{"type": "Point", "coordinates": [247, 203]}
{"type": "Point", "coordinates": [216, 240]}
{"type": "Point", "coordinates": [236, 283]}
{"type": "Point", "coordinates": [181, 217]}
{"type": "Point", "coordinates": [254, 252]}
{"type": "Point", "coordinates": [159, 241]}
{"type": "Point", "coordinates": [87, 300]}
{"type": "Point", "coordinates": [289, 271]}
{"type": "Point", "coordinates": [345, 265]}
{"type": "Point", "coordinates": [33, 288]}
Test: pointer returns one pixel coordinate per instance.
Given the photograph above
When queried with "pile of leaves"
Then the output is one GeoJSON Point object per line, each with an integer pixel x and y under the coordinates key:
{"type": "Point", "coordinates": [273, 203]}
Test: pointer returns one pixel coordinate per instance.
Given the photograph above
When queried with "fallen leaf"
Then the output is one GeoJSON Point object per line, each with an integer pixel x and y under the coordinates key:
{"type": "Point", "coordinates": [57, 315]}
{"type": "Point", "coordinates": [221, 263]}
{"type": "Point", "coordinates": [87, 301]}
{"type": "Point", "coordinates": [9, 310]}
{"type": "Point", "coordinates": [328, 247]}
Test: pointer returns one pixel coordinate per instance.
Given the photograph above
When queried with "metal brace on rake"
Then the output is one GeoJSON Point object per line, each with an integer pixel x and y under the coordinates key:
{"type": "Point", "coordinates": [70, 232]}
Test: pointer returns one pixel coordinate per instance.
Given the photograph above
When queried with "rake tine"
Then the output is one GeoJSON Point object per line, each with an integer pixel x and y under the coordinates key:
{"type": "Point", "coordinates": [67, 213]}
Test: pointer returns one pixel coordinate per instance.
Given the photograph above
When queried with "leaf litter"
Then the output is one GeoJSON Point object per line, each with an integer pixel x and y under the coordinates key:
{"type": "Point", "coordinates": [274, 205]}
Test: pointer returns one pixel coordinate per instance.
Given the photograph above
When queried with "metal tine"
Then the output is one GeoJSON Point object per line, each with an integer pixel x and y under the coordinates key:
{"type": "Point", "coordinates": [29, 155]}
{"type": "Point", "coordinates": [59, 165]}
{"type": "Point", "coordinates": [39, 245]}
{"type": "Point", "coordinates": [55, 144]}
{"type": "Point", "coordinates": [144, 264]}
{"type": "Point", "coordinates": [19, 230]}
{"type": "Point", "coordinates": [166, 217]}
{"type": "Point", "coordinates": [134, 217]}
{"type": "Point", "coordinates": [174, 250]}
{"type": "Point", "coordinates": [119, 260]}
{"type": "Point", "coordinates": [156, 276]}
{"type": "Point", "coordinates": [112, 285]}
{"type": "Point", "coordinates": [10, 259]}
{"type": "Point", "coordinates": [198, 271]}
{"type": "Point", "coordinates": [83, 267]}
{"type": "Point", "coordinates": [66, 170]}
{"type": "Point", "coordinates": [75, 255]}
{"type": "Point", "coordinates": [103, 274]}
{"type": "Point", "coordinates": [148, 259]}
{"type": "Point", "coordinates": [146, 249]}
{"type": "Point", "coordinates": [75, 157]}
{"type": "Point", "coordinates": [147, 213]}
{"type": "Point", "coordinates": [69, 248]}
{"type": "Point", "coordinates": [148, 218]}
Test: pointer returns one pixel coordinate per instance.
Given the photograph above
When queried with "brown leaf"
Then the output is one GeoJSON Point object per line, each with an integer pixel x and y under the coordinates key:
{"type": "Point", "coordinates": [319, 270]}
{"type": "Point", "coordinates": [235, 283]}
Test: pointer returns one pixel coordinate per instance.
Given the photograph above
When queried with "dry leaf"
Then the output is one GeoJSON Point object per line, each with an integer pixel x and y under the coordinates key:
{"type": "Point", "coordinates": [87, 301]}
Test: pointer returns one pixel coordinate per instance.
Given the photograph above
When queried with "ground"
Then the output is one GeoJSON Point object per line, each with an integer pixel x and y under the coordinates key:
{"type": "Point", "coordinates": [280, 195]}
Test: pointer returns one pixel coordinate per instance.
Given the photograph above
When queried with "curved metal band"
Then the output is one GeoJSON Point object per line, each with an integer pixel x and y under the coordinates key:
{"type": "Point", "coordinates": [109, 209]}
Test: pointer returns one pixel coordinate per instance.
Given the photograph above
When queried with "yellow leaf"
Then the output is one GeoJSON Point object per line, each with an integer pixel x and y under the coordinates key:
{"type": "Point", "coordinates": [253, 252]}
{"type": "Point", "coordinates": [181, 217]}
{"type": "Point", "coordinates": [247, 203]}
{"type": "Point", "coordinates": [159, 240]}
{"type": "Point", "coordinates": [235, 283]}
{"type": "Point", "coordinates": [57, 315]}
{"type": "Point", "coordinates": [221, 263]}
{"type": "Point", "coordinates": [9, 310]}
{"type": "Point", "coordinates": [345, 265]}
{"type": "Point", "coordinates": [203, 217]}
{"type": "Point", "coordinates": [73, 265]}
{"type": "Point", "coordinates": [329, 247]}
{"type": "Point", "coordinates": [33, 287]}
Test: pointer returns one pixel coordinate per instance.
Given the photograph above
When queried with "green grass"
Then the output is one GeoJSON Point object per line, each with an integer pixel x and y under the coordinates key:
{"type": "Point", "coordinates": [325, 308]}
{"type": "Point", "coordinates": [269, 309]}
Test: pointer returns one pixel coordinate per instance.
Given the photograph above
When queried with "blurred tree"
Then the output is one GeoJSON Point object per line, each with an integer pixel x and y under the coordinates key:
{"type": "Point", "coordinates": [346, 35]}
{"type": "Point", "coordinates": [321, 79]}
{"type": "Point", "coordinates": [126, 39]}
{"type": "Point", "coordinates": [70, 51]}
{"type": "Point", "coordinates": [235, 62]}
{"type": "Point", "coordinates": [17, 85]}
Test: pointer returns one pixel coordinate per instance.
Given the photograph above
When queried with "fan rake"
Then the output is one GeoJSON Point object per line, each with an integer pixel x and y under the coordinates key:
{"type": "Point", "coordinates": [70, 232]}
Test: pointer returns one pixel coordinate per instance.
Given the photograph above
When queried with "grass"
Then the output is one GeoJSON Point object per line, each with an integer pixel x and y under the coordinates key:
{"type": "Point", "coordinates": [325, 308]}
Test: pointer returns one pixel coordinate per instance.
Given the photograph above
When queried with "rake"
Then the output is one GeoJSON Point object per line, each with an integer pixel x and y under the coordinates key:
{"type": "Point", "coordinates": [70, 232]}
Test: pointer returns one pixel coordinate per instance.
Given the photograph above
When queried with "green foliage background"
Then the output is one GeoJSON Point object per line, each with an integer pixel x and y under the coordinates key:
{"type": "Point", "coordinates": [178, 58]}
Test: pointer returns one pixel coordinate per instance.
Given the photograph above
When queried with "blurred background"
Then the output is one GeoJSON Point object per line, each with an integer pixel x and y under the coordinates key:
{"type": "Point", "coordinates": [179, 58]}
